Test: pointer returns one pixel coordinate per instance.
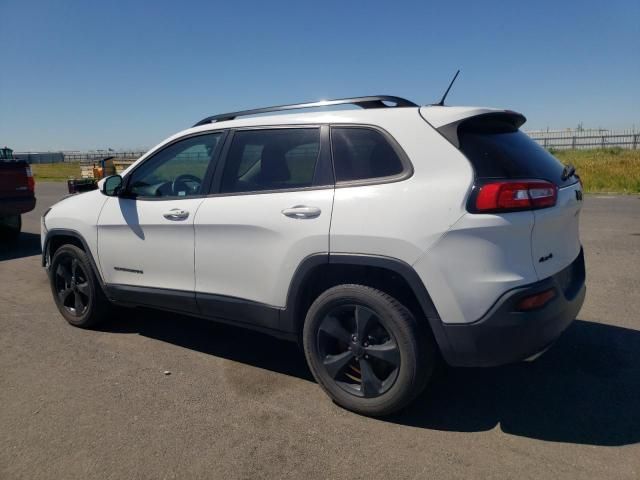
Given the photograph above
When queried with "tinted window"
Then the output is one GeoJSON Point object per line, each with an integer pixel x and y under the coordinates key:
{"type": "Point", "coordinates": [6, 154]}
{"type": "Point", "coordinates": [499, 150]}
{"type": "Point", "coordinates": [271, 160]}
{"type": "Point", "coordinates": [176, 171]}
{"type": "Point", "coordinates": [361, 153]}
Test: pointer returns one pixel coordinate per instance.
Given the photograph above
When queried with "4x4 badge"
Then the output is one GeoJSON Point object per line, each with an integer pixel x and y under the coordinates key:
{"type": "Point", "coordinates": [578, 195]}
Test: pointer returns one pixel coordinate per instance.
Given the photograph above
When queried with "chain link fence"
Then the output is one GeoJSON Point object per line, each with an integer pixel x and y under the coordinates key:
{"type": "Point", "coordinates": [82, 157]}
{"type": "Point", "coordinates": [586, 139]}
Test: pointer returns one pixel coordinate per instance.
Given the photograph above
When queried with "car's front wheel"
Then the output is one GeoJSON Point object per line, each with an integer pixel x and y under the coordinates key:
{"type": "Point", "coordinates": [75, 288]}
{"type": "Point", "coordinates": [366, 349]}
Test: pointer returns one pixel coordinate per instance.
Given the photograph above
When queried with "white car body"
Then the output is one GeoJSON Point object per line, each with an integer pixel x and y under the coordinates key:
{"type": "Point", "coordinates": [243, 247]}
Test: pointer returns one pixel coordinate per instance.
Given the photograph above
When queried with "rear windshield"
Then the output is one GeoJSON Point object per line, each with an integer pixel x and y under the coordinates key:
{"type": "Point", "coordinates": [499, 150]}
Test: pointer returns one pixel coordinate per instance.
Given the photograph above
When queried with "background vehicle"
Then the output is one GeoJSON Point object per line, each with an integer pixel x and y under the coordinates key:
{"type": "Point", "coordinates": [104, 167]}
{"type": "Point", "coordinates": [381, 238]}
{"type": "Point", "coordinates": [17, 193]}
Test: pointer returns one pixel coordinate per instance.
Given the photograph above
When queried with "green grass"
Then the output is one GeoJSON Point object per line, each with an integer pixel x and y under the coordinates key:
{"type": "Point", "coordinates": [55, 172]}
{"type": "Point", "coordinates": [605, 170]}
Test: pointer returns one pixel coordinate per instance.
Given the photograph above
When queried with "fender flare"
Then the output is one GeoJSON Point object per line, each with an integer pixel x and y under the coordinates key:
{"type": "Point", "coordinates": [64, 232]}
{"type": "Point", "coordinates": [289, 320]}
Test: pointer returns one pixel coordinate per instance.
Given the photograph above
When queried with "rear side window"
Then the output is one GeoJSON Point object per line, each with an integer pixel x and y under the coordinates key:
{"type": "Point", "coordinates": [500, 150]}
{"type": "Point", "coordinates": [271, 159]}
{"type": "Point", "coordinates": [362, 153]}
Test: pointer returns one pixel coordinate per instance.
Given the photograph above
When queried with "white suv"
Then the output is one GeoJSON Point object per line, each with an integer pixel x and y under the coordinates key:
{"type": "Point", "coordinates": [381, 238]}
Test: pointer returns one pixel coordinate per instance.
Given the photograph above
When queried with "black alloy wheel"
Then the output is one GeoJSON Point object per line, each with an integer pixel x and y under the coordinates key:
{"type": "Point", "coordinates": [357, 351]}
{"type": "Point", "coordinates": [366, 350]}
{"type": "Point", "coordinates": [72, 285]}
{"type": "Point", "coordinates": [76, 289]}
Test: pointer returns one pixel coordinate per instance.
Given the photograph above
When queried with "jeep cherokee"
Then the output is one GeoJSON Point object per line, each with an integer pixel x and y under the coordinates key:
{"type": "Point", "coordinates": [382, 239]}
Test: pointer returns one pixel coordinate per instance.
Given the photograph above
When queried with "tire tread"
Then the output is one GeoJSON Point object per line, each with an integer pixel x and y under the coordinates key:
{"type": "Point", "coordinates": [421, 344]}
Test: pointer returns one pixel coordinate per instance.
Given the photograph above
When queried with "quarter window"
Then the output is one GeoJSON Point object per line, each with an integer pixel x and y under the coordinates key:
{"type": "Point", "coordinates": [176, 171]}
{"type": "Point", "coordinates": [362, 153]}
{"type": "Point", "coordinates": [271, 159]}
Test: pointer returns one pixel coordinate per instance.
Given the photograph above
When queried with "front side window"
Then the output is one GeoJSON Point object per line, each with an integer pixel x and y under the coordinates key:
{"type": "Point", "coordinates": [176, 171]}
{"type": "Point", "coordinates": [362, 153]}
{"type": "Point", "coordinates": [271, 159]}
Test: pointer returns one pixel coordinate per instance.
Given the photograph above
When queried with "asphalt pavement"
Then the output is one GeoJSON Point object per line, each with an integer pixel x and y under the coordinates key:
{"type": "Point", "coordinates": [237, 404]}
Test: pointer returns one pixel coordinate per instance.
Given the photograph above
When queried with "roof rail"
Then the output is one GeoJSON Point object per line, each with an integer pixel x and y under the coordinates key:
{"type": "Point", "coordinates": [377, 101]}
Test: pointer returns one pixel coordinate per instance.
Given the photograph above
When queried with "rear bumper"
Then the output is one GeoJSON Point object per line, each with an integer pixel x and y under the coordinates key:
{"type": "Point", "coordinates": [504, 335]}
{"type": "Point", "coordinates": [16, 205]}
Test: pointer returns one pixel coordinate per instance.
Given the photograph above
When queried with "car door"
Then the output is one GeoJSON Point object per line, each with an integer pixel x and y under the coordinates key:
{"type": "Point", "coordinates": [272, 209]}
{"type": "Point", "coordinates": [146, 234]}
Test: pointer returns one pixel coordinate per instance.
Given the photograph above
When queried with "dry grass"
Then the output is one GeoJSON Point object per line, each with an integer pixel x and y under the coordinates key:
{"type": "Point", "coordinates": [55, 172]}
{"type": "Point", "coordinates": [605, 170]}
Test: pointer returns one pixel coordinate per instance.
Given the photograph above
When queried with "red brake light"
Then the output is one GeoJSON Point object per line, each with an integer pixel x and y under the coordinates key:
{"type": "Point", "coordinates": [31, 184]}
{"type": "Point", "coordinates": [508, 195]}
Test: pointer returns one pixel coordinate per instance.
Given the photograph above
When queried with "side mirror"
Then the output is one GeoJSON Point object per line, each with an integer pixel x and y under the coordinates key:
{"type": "Point", "coordinates": [112, 186]}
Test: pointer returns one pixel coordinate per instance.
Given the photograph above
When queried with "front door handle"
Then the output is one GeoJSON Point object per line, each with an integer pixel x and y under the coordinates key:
{"type": "Point", "coordinates": [302, 211]}
{"type": "Point", "coordinates": [176, 214]}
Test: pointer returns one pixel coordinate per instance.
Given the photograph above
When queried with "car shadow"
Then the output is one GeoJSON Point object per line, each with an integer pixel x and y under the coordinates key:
{"type": "Point", "coordinates": [585, 389]}
{"type": "Point", "coordinates": [217, 339]}
{"type": "Point", "coordinates": [26, 245]}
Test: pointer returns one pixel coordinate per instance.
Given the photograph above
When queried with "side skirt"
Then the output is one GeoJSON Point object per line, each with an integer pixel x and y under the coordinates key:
{"type": "Point", "coordinates": [217, 308]}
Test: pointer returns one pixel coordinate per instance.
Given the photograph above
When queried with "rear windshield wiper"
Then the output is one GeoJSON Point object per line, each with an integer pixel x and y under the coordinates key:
{"type": "Point", "coordinates": [568, 171]}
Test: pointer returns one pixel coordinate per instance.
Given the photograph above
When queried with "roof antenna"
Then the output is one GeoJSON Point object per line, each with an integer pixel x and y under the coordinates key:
{"type": "Point", "coordinates": [441, 102]}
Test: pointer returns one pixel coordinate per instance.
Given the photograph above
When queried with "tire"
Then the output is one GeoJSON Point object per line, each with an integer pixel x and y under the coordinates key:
{"type": "Point", "coordinates": [75, 288]}
{"type": "Point", "coordinates": [10, 227]}
{"type": "Point", "coordinates": [393, 344]}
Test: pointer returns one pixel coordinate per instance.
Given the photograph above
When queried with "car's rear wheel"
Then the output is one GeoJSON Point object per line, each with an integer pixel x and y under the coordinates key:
{"type": "Point", "coordinates": [76, 289]}
{"type": "Point", "coordinates": [10, 226]}
{"type": "Point", "coordinates": [366, 350]}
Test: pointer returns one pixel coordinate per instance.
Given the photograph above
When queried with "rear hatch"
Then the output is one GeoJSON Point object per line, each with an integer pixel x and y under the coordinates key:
{"type": "Point", "coordinates": [16, 181]}
{"type": "Point", "coordinates": [499, 151]}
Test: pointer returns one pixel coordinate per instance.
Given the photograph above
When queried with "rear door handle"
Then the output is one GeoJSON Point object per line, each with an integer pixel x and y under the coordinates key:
{"type": "Point", "coordinates": [176, 214]}
{"type": "Point", "coordinates": [302, 211]}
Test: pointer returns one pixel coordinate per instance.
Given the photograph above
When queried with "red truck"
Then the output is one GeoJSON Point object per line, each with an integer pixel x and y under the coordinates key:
{"type": "Point", "coordinates": [17, 193]}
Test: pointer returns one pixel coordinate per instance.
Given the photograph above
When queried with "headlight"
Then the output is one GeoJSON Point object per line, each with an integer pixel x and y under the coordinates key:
{"type": "Point", "coordinates": [42, 222]}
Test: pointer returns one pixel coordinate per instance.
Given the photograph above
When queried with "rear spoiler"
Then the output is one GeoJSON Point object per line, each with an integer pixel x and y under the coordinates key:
{"type": "Point", "coordinates": [485, 121]}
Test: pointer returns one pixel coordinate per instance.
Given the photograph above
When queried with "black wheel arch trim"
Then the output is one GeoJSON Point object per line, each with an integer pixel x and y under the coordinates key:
{"type": "Point", "coordinates": [290, 319]}
{"type": "Point", "coordinates": [64, 232]}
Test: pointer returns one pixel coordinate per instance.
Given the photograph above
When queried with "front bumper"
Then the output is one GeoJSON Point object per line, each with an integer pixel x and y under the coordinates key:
{"type": "Point", "coordinates": [505, 335]}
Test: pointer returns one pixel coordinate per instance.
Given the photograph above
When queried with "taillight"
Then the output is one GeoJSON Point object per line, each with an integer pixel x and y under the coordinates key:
{"type": "Point", "coordinates": [513, 195]}
{"type": "Point", "coordinates": [31, 183]}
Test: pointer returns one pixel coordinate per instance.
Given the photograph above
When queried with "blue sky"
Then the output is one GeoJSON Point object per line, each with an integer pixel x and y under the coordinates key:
{"type": "Point", "coordinates": [126, 74]}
